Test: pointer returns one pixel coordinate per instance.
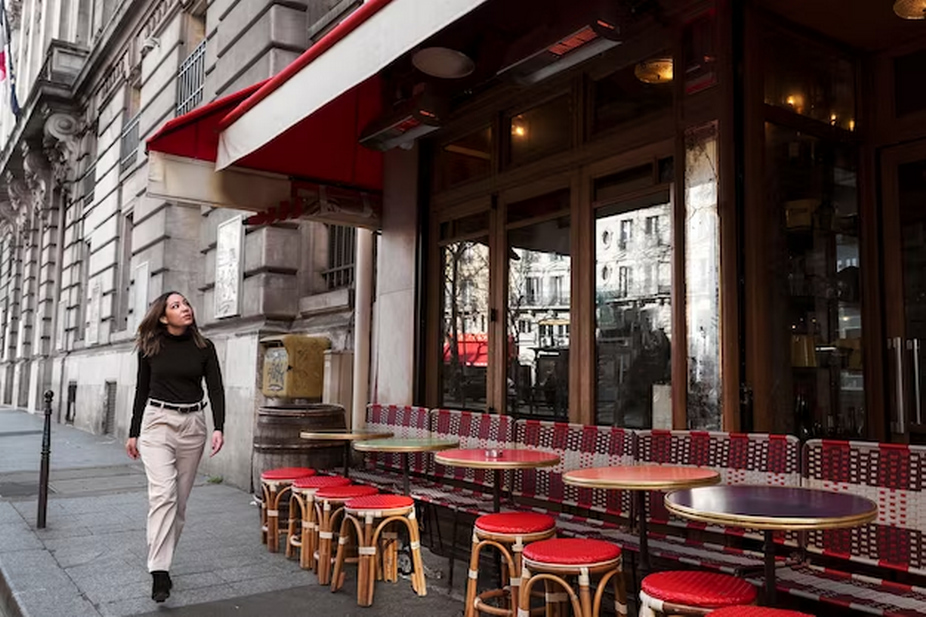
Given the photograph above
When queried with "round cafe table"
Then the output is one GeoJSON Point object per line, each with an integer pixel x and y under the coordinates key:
{"type": "Point", "coordinates": [771, 508]}
{"type": "Point", "coordinates": [639, 479]}
{"type": "Point", "coordinates": [404, 447]}
{"type": "Point", "coordinates": [498, 460]}
{"type": "Point", "coordinates": [346, 436]}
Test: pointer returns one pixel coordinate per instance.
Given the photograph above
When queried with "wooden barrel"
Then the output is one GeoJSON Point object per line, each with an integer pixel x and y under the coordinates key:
{"type": "Point", "coordinates": [277, 442]}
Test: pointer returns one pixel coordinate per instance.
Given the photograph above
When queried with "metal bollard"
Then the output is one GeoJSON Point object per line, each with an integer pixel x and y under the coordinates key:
{"type": "Point", "coordinates": [46, 453]}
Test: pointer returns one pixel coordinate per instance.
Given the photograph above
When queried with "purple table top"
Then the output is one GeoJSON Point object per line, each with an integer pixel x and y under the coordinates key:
{"type": "Point", "coordinates": [772, 507]}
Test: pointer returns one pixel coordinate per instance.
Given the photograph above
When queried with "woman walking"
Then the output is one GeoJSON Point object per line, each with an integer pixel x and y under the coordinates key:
{"type": "Point", "coordinates": [168, 425]}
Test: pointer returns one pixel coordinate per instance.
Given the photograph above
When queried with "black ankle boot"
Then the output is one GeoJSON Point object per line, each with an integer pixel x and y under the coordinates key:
{"type": "Point", "coordinates": [160, 585]}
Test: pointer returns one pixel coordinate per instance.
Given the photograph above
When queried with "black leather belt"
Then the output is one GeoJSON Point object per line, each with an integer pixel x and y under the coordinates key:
{"type": "Point", "coordinates": [176, 407]}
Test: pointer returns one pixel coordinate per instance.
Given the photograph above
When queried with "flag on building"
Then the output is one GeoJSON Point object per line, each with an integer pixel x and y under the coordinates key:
{"type": "Point", "coordinates": [6, 58]}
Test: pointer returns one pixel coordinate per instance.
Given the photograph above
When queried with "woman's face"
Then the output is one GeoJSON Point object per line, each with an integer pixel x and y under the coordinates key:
{"type": "Point", "coordinates": [178, 314]}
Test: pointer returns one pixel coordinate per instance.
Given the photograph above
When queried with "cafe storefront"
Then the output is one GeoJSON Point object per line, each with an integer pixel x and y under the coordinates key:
{"type": "Point", "coordinates": [671, 214]}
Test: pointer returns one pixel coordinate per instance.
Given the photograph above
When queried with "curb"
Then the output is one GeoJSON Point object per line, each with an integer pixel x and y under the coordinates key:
{"type": "Point", "coordinates": [8, 605]}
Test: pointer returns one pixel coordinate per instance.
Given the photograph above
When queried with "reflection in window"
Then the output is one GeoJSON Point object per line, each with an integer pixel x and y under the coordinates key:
{"type": "Point", "coordinates": [543, 130]}
{"type": "Point", "coordinates": [809, 79]}
{"type": "Point", "coordinates": [622, 97]}
{"type": "Point", "coordinates": [538, 293]}
{"type": "Point", "coordinates": [702, 277]}
{"type": "Point", "coordinates": [633, 321]}
{"type": "Point", "coordinates": [464, 337]}
{"type": "Point", "coordinates": [466, 158]}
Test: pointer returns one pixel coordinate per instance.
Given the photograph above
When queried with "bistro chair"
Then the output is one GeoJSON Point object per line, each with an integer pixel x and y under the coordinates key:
{"type": "Point", "coordinates": [693, 592]}
{"type": "Point", "coordinates": [329, 507]}
{"type": "Point", "coordinates": [552, 561]}
{"type": "Point", "coordinates": [509, 533]}
{"type": "Point", "coordinates": [755, 611]}
{"type": "Point", "coordinates": [368, 516]}
{"type": "Point", "coordinates": [274, 484]}
{"type": "Point", "coordinates": [303, 528]}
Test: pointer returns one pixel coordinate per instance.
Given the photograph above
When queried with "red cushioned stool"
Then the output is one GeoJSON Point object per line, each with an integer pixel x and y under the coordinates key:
{"type": "Point", "coordinates": [692, 592]}
{"type": "Point", "coordinates": [507, 532]}
{"type": "Point", "coordinates": [755, 611]}
{"type": "Point", "coordinates": [368, 516]}
{"type": "Point", "coordinates": [302, 534]}
{"type": "Point", "coordinates": [274, 484]}
{"type": "Point", "coordinates": [553, 560]}
{"type": "Point", "coordinates": [329, 507]}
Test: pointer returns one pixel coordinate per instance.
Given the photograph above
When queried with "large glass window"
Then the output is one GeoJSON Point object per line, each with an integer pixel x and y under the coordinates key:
{"type": "Point", "coordinates": [538, 307]}
{"type": "Point", "coordinates": [702, 278]}
{"type": "Point", "coordinates": [633, 313]}
{"type": "Point", "coordinates": [464, 312]}
{"type": "Point", "coordinates": [815, 291]}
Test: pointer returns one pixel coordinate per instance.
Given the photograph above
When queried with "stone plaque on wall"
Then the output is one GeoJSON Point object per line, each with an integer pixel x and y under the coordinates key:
{"type": "Point", "coordinates": [140, 300]}
{"type": "Point", "coordinates": [228, 248]}
{"type": "Point", "coordinates": [93, 313]}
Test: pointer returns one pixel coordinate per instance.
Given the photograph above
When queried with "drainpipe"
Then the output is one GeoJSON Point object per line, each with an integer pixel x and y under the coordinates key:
{"type": "Point", "coordinates": [363, 307]}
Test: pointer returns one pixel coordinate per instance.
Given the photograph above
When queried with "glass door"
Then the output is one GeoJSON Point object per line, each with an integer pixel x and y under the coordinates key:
{"type": "Point", "coordinates": [903, 172]}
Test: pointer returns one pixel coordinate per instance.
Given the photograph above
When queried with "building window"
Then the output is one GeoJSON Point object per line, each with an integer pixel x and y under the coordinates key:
{"type": "Point", "coordinates": [624, 281]}
{"type": "Point", "coordinates": [626, 234]}
{"type": "Point", "coordinates": [123, 292]}
{"type": "Point", "coordinates": [557, 295]}
{"type": "Point", "coordinates": [341, 251]}
{"type": "Point", "coordinates": [532, 290]}
{"type": "Point", "coordinates": [190, 79]}
{"type": "Point", "coordinates": [128, 149]}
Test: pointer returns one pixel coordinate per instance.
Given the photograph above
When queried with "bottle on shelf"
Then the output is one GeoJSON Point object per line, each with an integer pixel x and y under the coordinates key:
{"type": "Point", "coordinates": [805, 427]}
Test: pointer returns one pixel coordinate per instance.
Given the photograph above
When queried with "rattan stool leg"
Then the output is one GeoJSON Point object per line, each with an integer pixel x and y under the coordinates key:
{"type": "Point", "coordinates": [294, 525]}
{"type": "Point", "coordinates": [415, 545]}
{"type": "Point", "coordinates": [309, 534]}
{"type": "Point", "coordinates": [473, 578]}
{"type": "Point", "coordinates": [273, 520]}
{"type": "Point", "coordinates": [326, 525]}
{"type": "Point", "coordinates": [265, 493]}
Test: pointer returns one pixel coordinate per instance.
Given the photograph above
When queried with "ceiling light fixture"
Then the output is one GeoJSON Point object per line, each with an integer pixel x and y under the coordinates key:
{"type": "Point", "coordinates": [654, 71]}
{"type": "Point", "coordinates": [910, 9]}
{"type": "Point", "coordinates": [443, 62]}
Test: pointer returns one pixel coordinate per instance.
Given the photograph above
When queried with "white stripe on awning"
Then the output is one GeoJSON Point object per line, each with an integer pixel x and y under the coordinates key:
{"type": "Point", "coordinates": [385, 36]}
{"type": "Point", "coordinates": [190, 181]}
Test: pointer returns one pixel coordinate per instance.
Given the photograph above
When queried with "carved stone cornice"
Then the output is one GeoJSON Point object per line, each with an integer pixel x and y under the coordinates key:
{"type": "Point", "coordinates": [62, 145]}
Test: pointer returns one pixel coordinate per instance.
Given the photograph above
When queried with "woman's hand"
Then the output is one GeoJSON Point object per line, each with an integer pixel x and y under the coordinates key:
{"type": "Point", "coordinates": [218, 440]}
{"type": "Point", "coordinates": [131, 447]}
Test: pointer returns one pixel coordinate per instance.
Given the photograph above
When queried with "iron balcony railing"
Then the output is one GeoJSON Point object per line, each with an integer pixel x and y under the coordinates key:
{"type": "Point", "coordinates": [128, 148]}
{"type": "Point", "coordinates": [190, 80]}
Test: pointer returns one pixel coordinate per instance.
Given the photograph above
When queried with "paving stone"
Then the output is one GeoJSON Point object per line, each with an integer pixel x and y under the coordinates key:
{"type": "Point", "coordinates": [55, 603]}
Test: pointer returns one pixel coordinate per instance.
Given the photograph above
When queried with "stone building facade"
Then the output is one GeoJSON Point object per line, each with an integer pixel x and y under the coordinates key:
{"type": "Point", "coordinates": [83, 250]}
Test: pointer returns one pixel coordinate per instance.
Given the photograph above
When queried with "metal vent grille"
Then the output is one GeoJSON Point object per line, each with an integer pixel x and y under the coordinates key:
{"type": "Point", "coordinates": [109, 421]}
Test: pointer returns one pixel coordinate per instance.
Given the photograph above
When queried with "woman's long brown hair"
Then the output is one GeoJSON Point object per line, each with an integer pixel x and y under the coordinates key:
{"type": "Point", "coordinates": [151, 331]}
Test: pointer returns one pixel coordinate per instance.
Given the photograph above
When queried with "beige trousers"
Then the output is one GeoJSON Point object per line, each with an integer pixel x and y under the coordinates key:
{"type": "Point", "coordinates": [171, 445]}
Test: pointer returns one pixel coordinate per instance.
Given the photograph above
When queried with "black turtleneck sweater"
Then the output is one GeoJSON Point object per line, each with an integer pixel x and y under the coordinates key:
{"type": "Point", "coordinates": [175, 375]}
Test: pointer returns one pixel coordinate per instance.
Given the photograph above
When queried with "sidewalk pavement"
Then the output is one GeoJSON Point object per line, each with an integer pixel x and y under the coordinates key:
{"type": "Point", "coordinates": [90, 560]}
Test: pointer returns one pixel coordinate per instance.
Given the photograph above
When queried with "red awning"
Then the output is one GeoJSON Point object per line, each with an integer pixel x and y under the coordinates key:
{"type": "Point", "coordinates": [323, 148]}
{"type": "Point", "coordinates": [195, 134]}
